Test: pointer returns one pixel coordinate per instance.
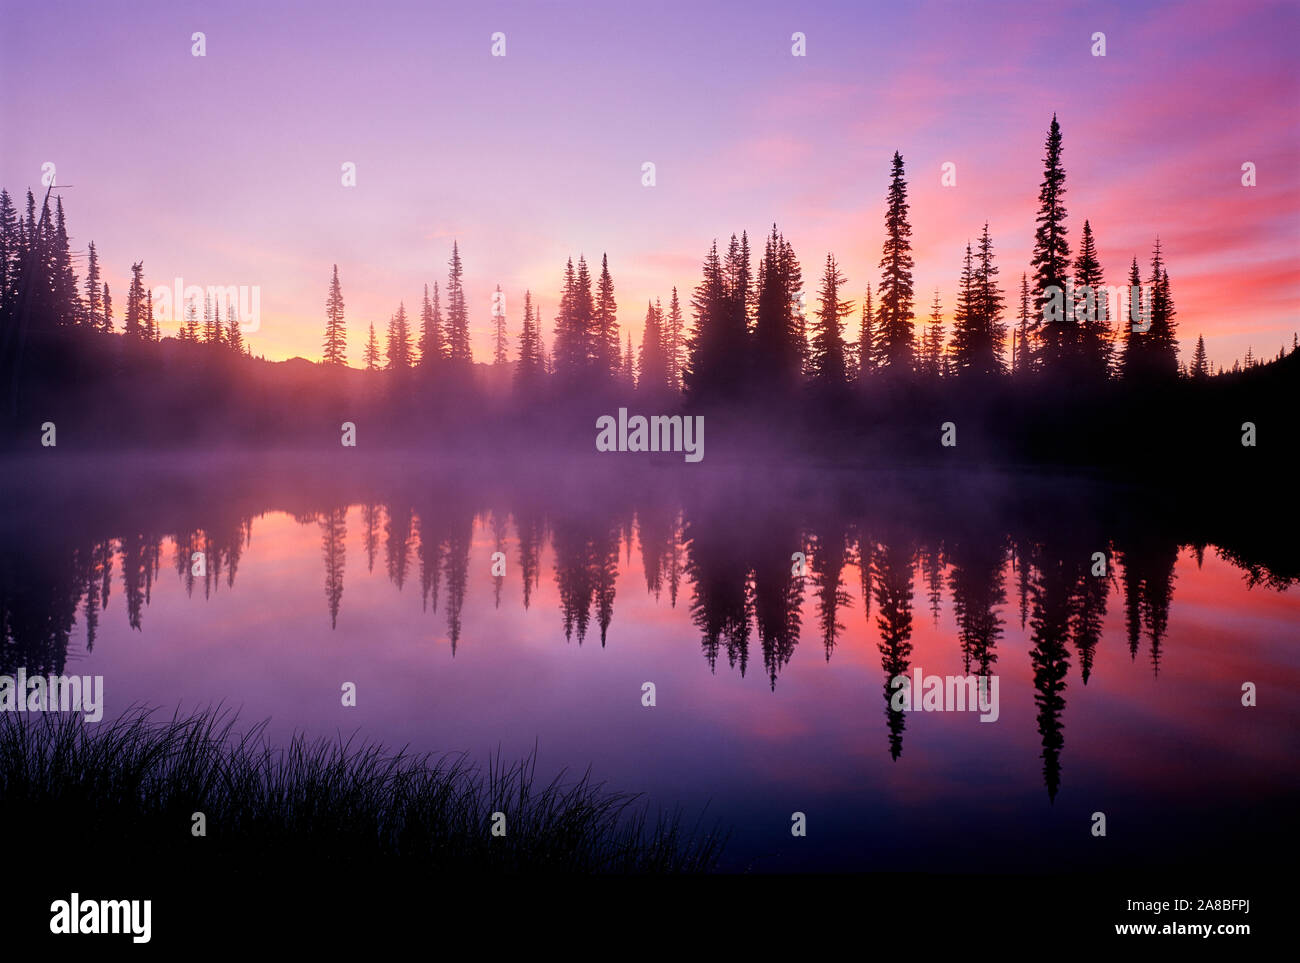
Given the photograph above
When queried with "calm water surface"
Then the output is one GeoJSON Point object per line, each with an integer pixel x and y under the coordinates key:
{"type": "Point", "coordinates": [1119, 694]}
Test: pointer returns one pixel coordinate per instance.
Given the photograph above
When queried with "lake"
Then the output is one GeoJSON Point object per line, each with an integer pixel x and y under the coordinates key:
{"type": "Point", "coordinates": [268, 583]}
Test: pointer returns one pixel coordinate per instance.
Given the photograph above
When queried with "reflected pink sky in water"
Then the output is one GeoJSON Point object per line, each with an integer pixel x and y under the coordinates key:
{"type": "Point", "coordinates": [1136, 744]}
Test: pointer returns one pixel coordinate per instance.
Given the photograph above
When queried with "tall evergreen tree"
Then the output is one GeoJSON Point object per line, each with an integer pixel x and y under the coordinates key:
{"type": "Point", "coordinates": [93, 283]}
{"type": "Point", "coordinates": [398, 348]}
{"type": "Point", "coordinates": [336, 338]}
{"type": "Point", "coordinates": [584, 317]}
{"type": "Point", "coordinates": [1058, 337]}
{"type": "Point", "coordinates": [827, 369]}
{"type": "Point", "coordinates": [674, 336]}
{"type": "Point", "coordinates": [528, 373]}
{"type": "Point", "coordinates": [371, 356]}
{"type": "Point", "coordinates": [150, 327]}
{"type": "Point", "coordinates": [211, 321]}
{"type": "Point", "coordinates": [500, 342]}
{"type": "Point", "coordinates": [1091, 306]}
{"type": "Point", "coordinates": [779, 349]}
{"type": "Point", "coordinates": [432, 352]}
{"type": "Point", "coordinates": [135, 303]}
{"type": "Point", "coordinates": [190, 328]}
{"type": "Point", "coordinates": [234, 337]}
{"type": "Point", "coordinates": [108, 310]}
{"type": "Point", "coordinates": [895, 338]}
{"type": "Point", "coordinates": [629, 365]}
{"type": "Point", "coordinates": [64, 294]}
{"type": "Point", "coordinates": [932, 341]}
{"type": "Point", "coordinates": [866, 342]}
{"type": "Point", "coordinates": [606, 323]}
{"type": "Point", "coordinates": [567, 350]}
{"type": "Point", "coordinates": [1163, 343]}
{"type": "Point", "coordinates": [1200, 363]}
{"type": "Point", "coordinates": [11, 254]}
{"type": "Point", "coordinates": [653, 364]}
{"type": "Point", "coordinates": [1134, 348]}
{"type": "Point", "coordinates": [459, 352]}
{"type": "Point", "coordinates": [966, 345]}
{"type": "Point", "coordinates": [716, 343]}
{"type": "Point", "coordinates": [1022, 352]}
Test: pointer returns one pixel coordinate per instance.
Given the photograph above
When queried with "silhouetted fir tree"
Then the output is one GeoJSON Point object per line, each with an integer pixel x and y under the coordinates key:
{"type": "Point", "coordinates": [568, 355]}
{"type": "Point", "coordinates": [432, 350]}
{"type": "Point", "coordinates": [500, 342]}
{"type": "Point", "coordinates": [584, 318]}
{"type": "Point", "coordinates": [1022, 353]}
{"type": "Point", "coordinates": [398, 347]}
{"type": "Point", "coordinates": [1057, 337]}
{"type": "Point", "coordinates": [715, 344]}
{"type": "Point", "coordinates": [988, 298]}
{"type": "Point", "coordinates": [1095, 335]}
{"type": "Point", "coordinates": [528, 373]}
{"type": "Point", "coordinates": [150, 330]}
{"type": "Point", "coordinates": [1132, 355]}
{"type": "Point", "coordinates": [894, 345]}
{"type": "Point", "coordinates": [234, 337]}
{"type": "Point", "coordinates": [653, 365]}
{"type": "Point", "coordinates": [1163, 342]}
{"type": "Point", "coordinates": [931, 355]}
{"type": "Point", "coordinates": [459, 354]}
{"type": "Point", "coordinates": [827, 369]}
{"type": "Point", "coordinates": [866, 342]}
{"type": "Point", "coordinates": [93, 282]}
{"type": "Point", "coordinates": [674, 341]}
{"type": "Point", "coordinates": [736, 269]}
{"type": "Point", "coordinates": [965, 345]}
{"type": "Point", "coordinates": [11, 254]}
{"type": "Point", "coordinates": [1200, 364]}
{"type": "Point", "coordinates": [65, 294]}
{"type": "Point", "coordinates": [777, 353]}
{"type": "Point", "coordinates": [371, 357]}
{"type": "Point", "coordinates": [211, 323]}
{"type": "Point", "coordinates": [629, 364]}
{"type": "Point", "coordinates": [190, 330]}
{"type": "Point", "coordinates": [336, 339]}
{"type": "Point", "coordinates": [608, 361]}
{"type": "Point", "coordinates": [134, 328]}
{"type": "Point", "coordinates": [108, 310]}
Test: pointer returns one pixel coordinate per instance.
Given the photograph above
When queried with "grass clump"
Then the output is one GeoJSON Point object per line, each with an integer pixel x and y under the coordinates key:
{"type": "Point", "coordinates": [129, 788]}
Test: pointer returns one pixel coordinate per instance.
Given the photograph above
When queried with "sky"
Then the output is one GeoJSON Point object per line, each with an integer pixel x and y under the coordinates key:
{"type": "Point", "coordinates": [225, 169]}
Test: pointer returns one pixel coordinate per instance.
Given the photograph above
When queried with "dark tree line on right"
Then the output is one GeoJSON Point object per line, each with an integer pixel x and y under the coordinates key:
{"type": "Point", "coordinates": [757, 321]}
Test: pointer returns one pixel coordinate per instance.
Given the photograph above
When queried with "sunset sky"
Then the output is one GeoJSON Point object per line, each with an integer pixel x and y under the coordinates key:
{"type": "Point", "coordinates": [225, 169]}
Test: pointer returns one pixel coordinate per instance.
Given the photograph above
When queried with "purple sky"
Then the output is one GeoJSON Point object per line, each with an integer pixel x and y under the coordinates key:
{"type": "Point", "coordinates": [225, 169]}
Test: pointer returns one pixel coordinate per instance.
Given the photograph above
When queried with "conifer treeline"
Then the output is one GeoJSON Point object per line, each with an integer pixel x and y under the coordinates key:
{"type": "Point", "coordinates": [757, 332]}
{"type": "Point", "coordinates": [754, 332]}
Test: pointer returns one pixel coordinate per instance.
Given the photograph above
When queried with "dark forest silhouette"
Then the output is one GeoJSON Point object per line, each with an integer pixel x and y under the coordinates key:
{"type": "Point", "coordinates": [1049, 370]}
